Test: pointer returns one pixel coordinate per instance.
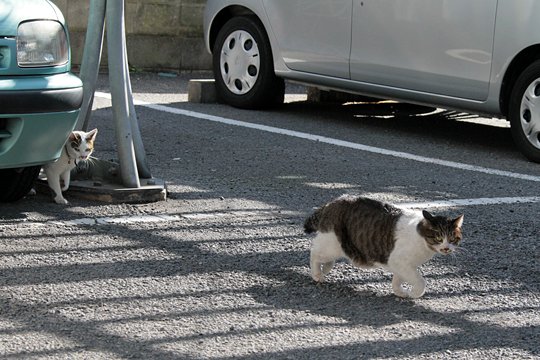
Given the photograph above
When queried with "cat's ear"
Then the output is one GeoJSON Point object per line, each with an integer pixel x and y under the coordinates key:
{"type": "Point", "coordinates": [72, 136]}
{"type": "Point", "coordinates": [91, 135]}
{"type": "Point", "coordinates": [458, 221]}
{"type": "Point", "coordinates": [427, 215]}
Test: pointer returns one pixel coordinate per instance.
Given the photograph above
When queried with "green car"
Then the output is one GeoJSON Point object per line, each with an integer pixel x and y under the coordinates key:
{"type": "Point", "coordinates": [39, 97]}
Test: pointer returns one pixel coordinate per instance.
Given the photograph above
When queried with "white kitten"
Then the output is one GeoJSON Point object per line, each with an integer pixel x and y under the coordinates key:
{"type": "Point", "coordinates": [78, 147]}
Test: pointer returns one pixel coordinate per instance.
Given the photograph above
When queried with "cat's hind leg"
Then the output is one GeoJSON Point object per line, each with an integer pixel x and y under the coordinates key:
{"type": "Point", "coordinates": [325, 250]}
{"type": "Point", "coordinates": [315, 266]}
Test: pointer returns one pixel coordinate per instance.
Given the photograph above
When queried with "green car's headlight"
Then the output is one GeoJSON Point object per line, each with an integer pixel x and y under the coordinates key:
{"type": "Point", "coordinates": [41, 43]}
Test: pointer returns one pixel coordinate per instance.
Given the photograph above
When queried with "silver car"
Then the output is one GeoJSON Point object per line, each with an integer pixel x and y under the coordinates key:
{"type": "Point", "coordinates": [479, 56]}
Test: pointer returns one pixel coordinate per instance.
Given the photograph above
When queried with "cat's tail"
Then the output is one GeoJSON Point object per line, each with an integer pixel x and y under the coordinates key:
{"type": "Point", "coordinates": [312, 222]}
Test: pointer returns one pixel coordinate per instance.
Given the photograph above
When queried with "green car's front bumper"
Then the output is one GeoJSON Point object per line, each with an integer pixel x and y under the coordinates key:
{"type": "Point", "coordinates": [37, 113]}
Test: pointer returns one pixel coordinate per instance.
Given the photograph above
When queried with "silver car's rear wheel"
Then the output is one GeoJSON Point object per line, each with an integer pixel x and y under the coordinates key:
{"type": "Point", "coordinates": [240, 62]}
{"type": "Point", "coordinates": [524, 112]}
{"type": "Point", "coordinates": [244, 66]}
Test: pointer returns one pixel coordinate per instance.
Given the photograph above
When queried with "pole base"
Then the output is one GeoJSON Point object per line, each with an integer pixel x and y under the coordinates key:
{"type": "Point", "coordinates": [100, 180]}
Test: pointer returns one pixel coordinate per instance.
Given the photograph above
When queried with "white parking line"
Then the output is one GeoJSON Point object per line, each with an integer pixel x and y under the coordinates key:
{"type": "Point", "coordinates": [332, 141]}
{"type": "Point", "coordinates": [470, 202]}
{"type": "Point", "coordinates": [124, 220]}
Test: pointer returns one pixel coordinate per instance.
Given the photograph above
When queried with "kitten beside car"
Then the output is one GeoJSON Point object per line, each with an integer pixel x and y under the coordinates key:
{"type": "Point", "coordinates": [79, 146]}
{"type": "Point", "coordinates": [371, 233]}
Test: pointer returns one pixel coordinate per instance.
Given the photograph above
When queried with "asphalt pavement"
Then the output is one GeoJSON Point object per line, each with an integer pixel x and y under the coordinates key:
{"type": "Point", "coordinates": [220, 270]}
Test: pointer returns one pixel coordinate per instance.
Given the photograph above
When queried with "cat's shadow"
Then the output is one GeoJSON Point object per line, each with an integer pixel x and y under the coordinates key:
{"type": "Point", "coordinates": [343, 300]}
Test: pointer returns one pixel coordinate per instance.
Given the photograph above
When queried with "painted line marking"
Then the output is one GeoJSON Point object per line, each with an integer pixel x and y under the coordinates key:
{"type": "Point", "coordinates": [470, 202]}
{"type": "Point", "coordinates": [121, 220]}
{"type": "Point", "coordinates": [331, 141]}
{"type": "Point", "coordinates": [202, 216]}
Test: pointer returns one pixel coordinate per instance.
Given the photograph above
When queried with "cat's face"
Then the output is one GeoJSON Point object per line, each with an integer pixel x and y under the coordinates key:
{"type": "Point", "coordinates": [442, 234]}
{"type": "Point", "coordinates": [80, 144]}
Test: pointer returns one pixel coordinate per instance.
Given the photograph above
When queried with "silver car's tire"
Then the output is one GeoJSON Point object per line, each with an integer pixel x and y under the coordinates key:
{"type": "Point", "coordinates": [243, 65]}
{"type": "Point", "coordinates": [16, 183]}
{"type": "Point", "coordinates": [524, 112]}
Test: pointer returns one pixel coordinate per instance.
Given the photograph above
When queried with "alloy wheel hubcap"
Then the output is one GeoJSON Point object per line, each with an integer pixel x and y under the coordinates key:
{"type": "Point", "coordinates": [530, 113]}
{"type": "Point", "coordinates": [240, 62]}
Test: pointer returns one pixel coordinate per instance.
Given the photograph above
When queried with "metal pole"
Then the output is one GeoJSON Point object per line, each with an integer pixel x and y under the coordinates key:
{"type": "Point", "coordinates": [140, 153]}
{"type": "Point", "coordinates": [93, 45]}
{"type": "Point", "coordinates": [118, 69]}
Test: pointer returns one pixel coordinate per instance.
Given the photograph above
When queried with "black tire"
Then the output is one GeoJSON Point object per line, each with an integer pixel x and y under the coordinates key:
{"type": "Point", "coordinates": [16, 183]}
{"type": "Point", "coordinates": [523, 116]}
{"type": "Point", "coordinates": [244, 74]}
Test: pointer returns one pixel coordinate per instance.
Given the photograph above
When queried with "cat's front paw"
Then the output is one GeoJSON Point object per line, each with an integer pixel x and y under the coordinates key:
{"type": "Point", "coordinates": [61, 201]}
{"type": "Point", "coordinates": [398, 288]}
{"type": "Point", "coordinates": [401, 292]}
{"type": "Point", "coordinates": [414, 293]}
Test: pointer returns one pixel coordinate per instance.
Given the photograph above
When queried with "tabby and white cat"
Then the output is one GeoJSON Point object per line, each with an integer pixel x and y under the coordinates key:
{"type": "Point", "coordinates": [78, 147]}
{"type": "Point", "coordinates": [374, 234]}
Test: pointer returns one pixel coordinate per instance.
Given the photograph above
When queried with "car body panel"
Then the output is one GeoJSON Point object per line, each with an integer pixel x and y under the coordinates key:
{"type": "Point", "coordinates": [34, 139]}
{"type": "Point", "coordinates": [463, 72]}
{"type": "Point", "coordinates": [516, 30]}
{"type": "Point", "coordinates": [13, 12]}
{"type": "Point", "coordinates": [436, 46]}
{"type": "Point", "coordinates": [313, 35]}
{"type": "Point", "coordinates": [41, 104]}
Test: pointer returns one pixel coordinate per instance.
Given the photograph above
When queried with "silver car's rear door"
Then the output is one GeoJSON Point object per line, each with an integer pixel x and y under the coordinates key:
{"type": "Point", "coordinates": [437, 46]}
{"type": "Point", "coordinates": [313, 35]}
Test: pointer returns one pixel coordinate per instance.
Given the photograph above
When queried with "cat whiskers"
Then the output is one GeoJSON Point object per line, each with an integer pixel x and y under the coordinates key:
{"type": "Point", "coordinates": [91, 160]}
{"type": "Point", "coordinates": [458, 249]}
{"type": "Point", "coordinates": [86, 163]}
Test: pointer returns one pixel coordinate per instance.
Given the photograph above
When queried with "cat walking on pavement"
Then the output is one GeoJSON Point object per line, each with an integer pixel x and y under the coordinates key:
{"type": "Point", "coordinates": [371, 233]}
{"type": "Point", "coordinates": [78, 147]}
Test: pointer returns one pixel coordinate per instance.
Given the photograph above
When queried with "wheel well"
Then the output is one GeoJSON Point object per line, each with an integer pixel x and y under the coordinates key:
{"type": "Point", "coordinates": [525, 58]}
{"type": "Point", "coordinates": [225, 15]}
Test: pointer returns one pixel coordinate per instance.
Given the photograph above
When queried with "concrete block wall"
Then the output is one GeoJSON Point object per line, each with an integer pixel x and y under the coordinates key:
{"type": "Point", "coordinates": [162, 35]}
